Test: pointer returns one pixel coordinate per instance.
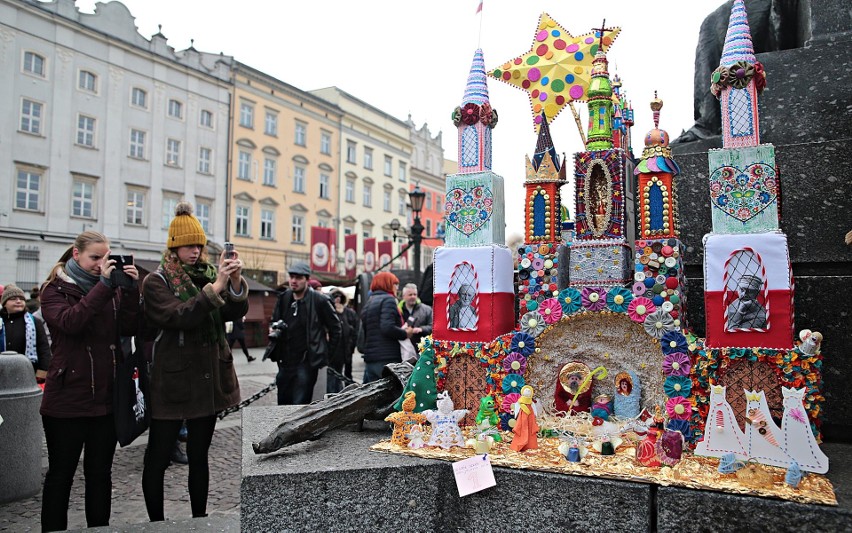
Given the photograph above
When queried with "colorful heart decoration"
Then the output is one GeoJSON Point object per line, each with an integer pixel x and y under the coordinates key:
{"type": "Point", "coordinates": [469, 209]}
{"type": "Point", "coordinates": [744, 193]}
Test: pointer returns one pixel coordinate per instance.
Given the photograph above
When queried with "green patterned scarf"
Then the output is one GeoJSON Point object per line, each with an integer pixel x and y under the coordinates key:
{"type": "Point", "coordinates": [185, 280]}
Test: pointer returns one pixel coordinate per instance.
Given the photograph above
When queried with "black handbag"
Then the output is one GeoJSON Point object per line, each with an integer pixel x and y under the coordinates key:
{"type": "Point", "coordinates": [130, 397]}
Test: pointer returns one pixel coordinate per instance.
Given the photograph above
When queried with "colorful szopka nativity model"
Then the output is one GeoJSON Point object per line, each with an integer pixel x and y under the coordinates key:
{"type": "Point", "coordinates": [601, 333]}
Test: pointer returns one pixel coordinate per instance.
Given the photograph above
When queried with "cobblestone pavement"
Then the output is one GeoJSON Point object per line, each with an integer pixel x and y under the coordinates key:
{"type": "Point", "coordinates": [128, 504]}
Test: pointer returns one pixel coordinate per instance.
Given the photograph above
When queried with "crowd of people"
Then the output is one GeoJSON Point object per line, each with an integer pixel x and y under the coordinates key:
{"type": "Point", "coordinates": [94, 310]}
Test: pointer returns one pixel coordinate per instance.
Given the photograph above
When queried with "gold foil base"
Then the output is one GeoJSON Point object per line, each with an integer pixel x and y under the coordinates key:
{"type": "Point", "coordinates": [692, 471]}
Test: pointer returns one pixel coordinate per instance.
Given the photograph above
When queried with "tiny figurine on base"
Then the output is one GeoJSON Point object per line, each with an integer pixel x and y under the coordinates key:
{"type": "Point", "coordinates": [602, 407]}
{"type": "Point", "coordinates": [416, 436]}
{"type": "Point", "coordinates": [646, 450]}
{"type": "Point", "coordinates": [573, 450]}
{"type": "Point", "coordinates": [794, 475]}
{"type": "Point", "coordinates": [446, 432]}
{"type": "Point", "coordinates": [403, 420]}
{"type": "Point", "coordinates": [487, 419]}
{"type": "Point", "coordinates": [526, 428]}
{"type": "Point", "coordinates": [670, 447]}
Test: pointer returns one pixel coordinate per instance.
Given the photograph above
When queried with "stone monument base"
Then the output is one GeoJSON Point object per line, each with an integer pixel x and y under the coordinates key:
{"type": "Point", "coordinates": [337, 484]}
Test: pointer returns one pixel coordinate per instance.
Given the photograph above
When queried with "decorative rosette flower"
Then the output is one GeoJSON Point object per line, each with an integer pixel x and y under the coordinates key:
{"type": "Point", "coordinates": [523, 343]}
{"type": "Point", "coordinates": [570, 300]}
{"type": "Point", "coordinates": [759, 77]}
{"type": "Point", "coordinates": [677, 386]}
{"type": "Point", "coordinates": [470, 114]}
{"type": "Point", "coordinates": [676, 364]}
{"type": "Point", "coordinates": [639, 308]}
{"type": "Point", "coordinates": [457, 113]}
{"type": "Point", "coordinates": [485, 114]}
{"type": "Point", "coordinates": [618, 298]}
{"type": "Point", "coordinates": [741, 74]}
{"type": "Point", "coordinates": [682, 426]}
{"type": "Point", "coordinates": [673, 341]}
{"type": "Point", "coordinates": [532, 323]}
{"type": "Point", "coordinates": [594, 298]}
{"type": "Point", "coordinates": [658, 323]}
{"type": "Point", "coordinates": [512, 383]}
{"type": "Point", "coordinates": [508, 400]}
{"type": "Point", "coordinates": [550, 310]}
{"type": "Point", "coordinates": [719, 80]}
{"type": "Point", "coordinates": [678, 408]}
{"type": "Point", "coordinates": [507, 421]}
{"type": "Point", "coordinates": [515, 363]}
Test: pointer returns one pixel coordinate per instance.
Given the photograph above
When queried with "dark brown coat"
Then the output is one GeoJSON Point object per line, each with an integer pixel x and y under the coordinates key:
{"type": "Point", "coordinates": [191, 377]}
{"type": "Point", "coordinates": [85, 333]}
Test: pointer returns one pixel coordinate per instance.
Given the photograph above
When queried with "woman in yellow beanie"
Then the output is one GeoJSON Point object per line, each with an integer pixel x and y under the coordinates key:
{"type": "Point", "coordinates": [192, 374]}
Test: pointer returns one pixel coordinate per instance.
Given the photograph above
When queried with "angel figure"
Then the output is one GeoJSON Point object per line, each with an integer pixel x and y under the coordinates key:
{"type": "Point", "coordinates": [446, 432]}
{"type": "Point", "coordinates": [526, 427]}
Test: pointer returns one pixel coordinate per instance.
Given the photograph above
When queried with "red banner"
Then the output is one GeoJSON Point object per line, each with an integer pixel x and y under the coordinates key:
{"type": "Point", "coordinates": [350, 255]}
{"type": "Point", "coordinates": [370, 254]}
{"type": "Point", "coordinates": [403, 259]}
{"type": "Point", "coordinates": [322, 247]}
{"type": "Point", "coordinates": [385, 253]}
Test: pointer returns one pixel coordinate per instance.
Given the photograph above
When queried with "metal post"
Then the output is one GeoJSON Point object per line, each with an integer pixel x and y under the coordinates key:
{"type": "Point", "coordinates": [416, 238]}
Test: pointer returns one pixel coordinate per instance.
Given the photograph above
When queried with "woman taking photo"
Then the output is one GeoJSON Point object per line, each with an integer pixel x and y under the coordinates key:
{"type": "Point", "coordinates": [86, 314]}
{"type": "Point", "coordinates": [192, 371]}
{"type": "Point", "coordinates": [382, 326]}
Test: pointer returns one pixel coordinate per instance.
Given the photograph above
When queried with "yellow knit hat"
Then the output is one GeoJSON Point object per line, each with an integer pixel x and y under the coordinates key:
{"type": "Point", "coordinates": [185, 229]}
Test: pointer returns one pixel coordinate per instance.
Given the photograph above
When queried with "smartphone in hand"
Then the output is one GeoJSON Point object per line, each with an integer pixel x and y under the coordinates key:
{"type": "Point", "coordinates": [118, 277]}
{"type": "Point", "coordinates": [229, 250]}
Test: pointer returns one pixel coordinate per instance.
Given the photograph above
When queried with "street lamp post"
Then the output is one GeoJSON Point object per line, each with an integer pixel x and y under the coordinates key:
{"type": "Point", "coordinates": [416, 197]}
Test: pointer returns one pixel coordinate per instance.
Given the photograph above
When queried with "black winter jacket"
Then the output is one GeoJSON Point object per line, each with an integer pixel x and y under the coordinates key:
{"type": "Point", "coordinates": [383, 328]}
{"type": "Point", "coordinates": [323, 328]}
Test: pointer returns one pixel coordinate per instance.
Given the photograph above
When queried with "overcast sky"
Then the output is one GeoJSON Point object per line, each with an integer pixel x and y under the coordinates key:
{"type": "Point", "coordinates": [406, 56]}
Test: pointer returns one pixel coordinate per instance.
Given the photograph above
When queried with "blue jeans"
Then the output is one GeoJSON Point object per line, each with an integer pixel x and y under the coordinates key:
{"type": "Point", "coordinates": [295, 384]}
{"type": "Point", "coordinates": [373, 371]}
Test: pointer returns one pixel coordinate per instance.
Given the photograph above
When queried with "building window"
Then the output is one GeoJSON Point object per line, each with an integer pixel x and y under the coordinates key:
{"type": "Point", "coordinates": [325, 186]}
{"type": "Point", "coordinates": [298, 233]}
{"type": "Point", "coordinates": [388, 165]}
{"type": "Point", "coordinates": [298, 179]}
{"type": "Point", "coordinates": [402, 171]}
{"type": "Point", "coordinates": [169, 204]}
{"type": "Point", "coordinates": [82, 199]}
{"type": "Point", "coordinates": [269, 171]}
{"type": "Point", "coordinates": [386, 201]}
{"type": "Point", "coordinates": [206, 118]}
{"type": "Point", "coordinates": [205, 160]}
{"type": "Point", "coordinates": [31, 113]}
{"type": "Point", "coordinates": [350, 190]}
{"type": "Point", "coordinates": [27, 266]}
{"type": "Point", "coordinates": [139, 98]}
{"type": "Point", "coordinates": [323, 223]}
{"type": "Point", "coordinates": [368, 195]}
{"type": "Point", "coordinates": [246, 115]}
{"type": "Point", "coordinates": [325, 143]}
{"type": "Point", "coordinates": [137, 144]}
{"type": "Point", "coordinates": [439, 202]}
{"type": "Point", "coordinates": [267, 224]}
{"type": "Point", "coordinates": [428, 228]}
{"type": "Point", "coordinates": [301, 138]}
{"type": "Point", "coordinates": [367, 233]}
{"type": "Point", "coordinates": [242, 221]}
{"type": "Point", "coordinates": [348, 231]}
{"type": "Point", "coordinates": [135, 211]}
{"type": "Point", "coordinates": [85, 131]}
{"type": "Point", "coordinates": [403, 204]}
{"type": "Point", "coordinates": [28, 190]}
{"type": "Point", "coordinates": [173, 152]}
{"type": "Point", "coordinates": [244, 166]}
{"type": "Point", "coordinates": [429, 201]}
{"type": "Point", "coordinates": [202, 213]}
{"type": "Point", "coordinates": [368, 158]}
{"type": "Point", "coordinates": [270, 125]}
{"type": "Point", "coordinates": [175, 109]}
{"type": "Point", "coordinates": [88, 81]}
{"type": "Point", "coordinates": [34, 64]}
{"type": "Point", "coordinates": [351, 148]}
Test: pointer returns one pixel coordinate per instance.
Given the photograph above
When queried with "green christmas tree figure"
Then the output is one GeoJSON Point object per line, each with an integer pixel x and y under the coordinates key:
{"type": "Point", "coordinates": [422, 380]}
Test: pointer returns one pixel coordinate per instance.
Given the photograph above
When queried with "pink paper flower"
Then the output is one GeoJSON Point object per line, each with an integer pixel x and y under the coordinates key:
{"type": "Point", "coordinates": [678, 408]}
{"type": "Point", "coordinates": [639, 308]}
{"type": "Point", "coordinates": [594, 298]}
{"type": "Point", "coordinates": [508, 400]}
{"type": "Point", "coordinates": [550, 310]}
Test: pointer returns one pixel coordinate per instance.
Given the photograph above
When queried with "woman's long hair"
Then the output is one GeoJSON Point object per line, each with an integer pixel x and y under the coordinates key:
{"type": "Point", "coordinates": [170, 255]}
{"type": "Point", "coordinates": [82, 242]}
{"type": "Point", "coordinates": [384, 281]}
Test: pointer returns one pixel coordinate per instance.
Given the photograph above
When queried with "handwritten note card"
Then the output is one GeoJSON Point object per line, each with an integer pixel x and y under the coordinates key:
{"type": "Point", "coordinates": [474, 474]}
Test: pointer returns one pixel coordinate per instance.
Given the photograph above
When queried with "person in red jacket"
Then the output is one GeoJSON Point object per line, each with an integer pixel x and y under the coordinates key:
{"type": "Point", "coordinates": [86, 314]}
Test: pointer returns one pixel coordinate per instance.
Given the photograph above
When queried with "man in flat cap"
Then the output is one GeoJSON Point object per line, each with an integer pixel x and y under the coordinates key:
{"type": "Point", "coordinates": [312, 335]}
{"type": "Point", "coordinates": [746, 312]}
